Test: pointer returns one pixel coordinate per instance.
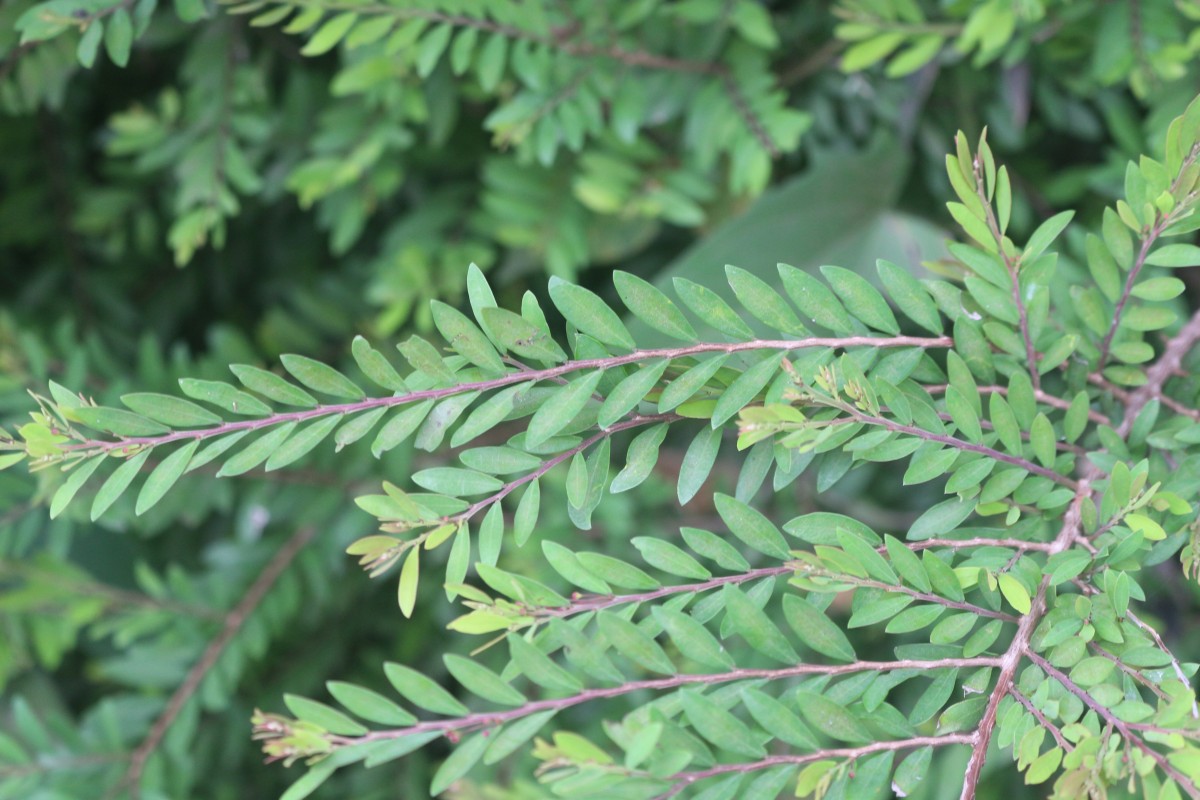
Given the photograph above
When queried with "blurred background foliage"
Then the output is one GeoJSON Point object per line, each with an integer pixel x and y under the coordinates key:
{"type": "Point", "coordinates": [189, 184]}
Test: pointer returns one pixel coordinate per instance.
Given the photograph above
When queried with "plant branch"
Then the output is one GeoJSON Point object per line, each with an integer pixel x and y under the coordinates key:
{"type": "Point", "coordinates": [208, 659]}
{"type": "Point", "coordinates": [1072, 524]}
{"type": "Point", "coordinates": [485, 719]}
{"type": "Point", "coordinates": [685, 779]}
{"type": "Point", "coordinates": [1126, 732]}
{"type": "Point", "coordinates": [90, 447]}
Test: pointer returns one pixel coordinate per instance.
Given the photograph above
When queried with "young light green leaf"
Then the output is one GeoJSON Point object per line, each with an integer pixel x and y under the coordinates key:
{"type": "Point", "coordinates": [1015, 593]}
{"type": "Point", "coordinates": [1175, 255]}
{"type": "Point", "coordinates": [652, 307]}
{"type": "Point", "coordinates": [330, 34]}
{"type": "Point", "coordinates": [1046, 233]}
{"type": "Point", "coordinates": [410, 576]}
{"type": "Point", "coordinates": [587, 312]}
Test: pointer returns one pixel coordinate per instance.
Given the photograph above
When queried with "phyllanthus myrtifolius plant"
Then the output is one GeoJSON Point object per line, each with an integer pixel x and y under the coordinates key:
{"type": "Point", "coordinates": [1053, 397]}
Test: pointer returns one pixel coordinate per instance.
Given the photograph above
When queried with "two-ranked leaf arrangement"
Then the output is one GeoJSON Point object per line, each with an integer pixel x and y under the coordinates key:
{"type": "Point", "coordinates": [1048, 391]}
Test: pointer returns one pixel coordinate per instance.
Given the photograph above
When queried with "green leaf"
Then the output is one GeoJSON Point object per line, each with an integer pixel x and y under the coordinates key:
{"type": "Point", "coordinates": [831, 718]}
{"type": "Point", "coordinates": [708, 306]}
{"type": "Point", "coordinates": [460, 761]}
{"type": "Point", "coordinates": [669, 558]}
{"type": "Point", "coordinates": [752, 623]}
{"type": "Point", "coordinates": [376, 366]}
{"type": "Point", "coordinates": [697, 463]}
{"type": "Point", "coordinates": [465, 338]}
{"type": "Point", "coordinates": [257, 452]}
{"type": "Point", "coordinates": [325, 716]}
{"type": "Point", "coordinates": [117, 483]}
{"type": "Point", "coordinates": [558, 411]}
{"type": "Point", "coordinates": [690, 382]}
{"type": "Point", "coordinates": [173, 411]}
{"type": "Point", "coordinates": [482, 681]}
{"type": "Point", "coordinates": [635, 644]}
{"type": "Point", "coordinates": [321, 377]}
{"type": "Point", "coordinates": [118, 421]}
{"type": "Point", "coordinates": [715, 548]}
{"type": "Point", "coordinates": [330, 34]}
{"type": "Point", "coordinates": [1043, 439]}
{"type": "Point", "coordinates": [939, 519]}
{"type": "Point", "coordinates": [515, 734]}
{"type": "Point", "coordinates": [815, 300]}
{"type": "Point", "coordinates": [310, 781]}
{"type": "Point", "coordinates": [1158, 289]}
{"type": "Point", "coordinates": [74, 482]}
{"type": "Point", "coordinates": [302, 443]}
{"type": "Point", "coordinates": [272, 387]}
{"type": "Point", "coordinates": [616, 572]}
{"type": "Point", "coordinates": [164, 476]}
{"type": "Point", "coordinates": [566, 564]}
{"type": "Point", "coordinates": [777, 719]}
{"type": "Point", "coordinates": [410, 576]}
{"type": "Point", "coordinates": [719, 726]}
{"type": "Point", "coordinates": [89, 43]}
{"type": "Point", "coordinates": [907, 563]}
{"type": "Point", "coordinates": [540, 669]}
{"type": "Point", "coordinates": [692, 639]}
{"type": "Point", "coordinates": [763, 302]}
{"type": "Point", "coordinates": [422, 691]}
{"type": "Point", "coordinates": [456, 482]}
{"type": "Point", "coordinates": [745, 388]}
{"type": "Point", "coordinates": [1046, 233]}
{"type": "Point", "coordinates": [1015, 593]}
{"type": "Point", "coordinates": [652, 307]}
{"type": "Point", "coordinates": [1175, 255]}
{"type": "Point", "coordinates": [964, 416]}
{"type": "Point", "coordinates": [518, 334]}
{"type": "Point", "coordinates": [861, 299]}
{"type": "Point", "coordinates": [640, 459]}
{"type": "Point", "coordinates": [587, 312]}
{"type": "Point", "coordinates": [751, 527]}
{"type": "Point", "coordinates": [118, 37]}
{"type": "Point", "coordinates": [224, 395]}
{"type": "Point", "coordinates": [816, 630]}
{"type": "Point", "coordinates": [525, 518]}
{"type": "Point", "coordinates": [368, 704]}
{"type": "Point", "coordinates": [1044, 766]}
{"type": "Point", "coordinates": [910, 297]}
{"type": "Point", "coordinates": [876, 566]}
{"type": "Point", "coordinates": [627, 394]}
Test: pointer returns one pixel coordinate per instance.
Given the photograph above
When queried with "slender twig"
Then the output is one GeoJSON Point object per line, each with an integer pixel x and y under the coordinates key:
{"type": "Point", "coordinates": [131, 443]}
{"type": "Point", "coordinates": [1019, 647]}
{"type": "Point", "coordinates": [981, 541]}
{"type": "Point", "coordinates": [961, 444]}
{"type": "Point", "coordinates": [208, 659]}
{"type": "Point", "coordinates": [1156, 377]}
{"type": "Point", "coordinates": [1041, 718]}
{"type": "Point", "coordinates": [1121, 727]}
